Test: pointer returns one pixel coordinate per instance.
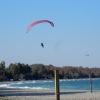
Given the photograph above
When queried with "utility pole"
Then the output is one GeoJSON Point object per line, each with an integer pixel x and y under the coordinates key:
{"type": "Point", "coordinates": [89, 75]}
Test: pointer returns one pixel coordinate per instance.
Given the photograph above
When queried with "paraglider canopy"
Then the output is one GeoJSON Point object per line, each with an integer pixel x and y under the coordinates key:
{"type": "Point", "coordinates": [37, 22]}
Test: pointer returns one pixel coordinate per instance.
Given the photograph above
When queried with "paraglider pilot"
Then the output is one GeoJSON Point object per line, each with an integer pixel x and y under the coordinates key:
{"type": "Point", "coordinates": [42, 45]}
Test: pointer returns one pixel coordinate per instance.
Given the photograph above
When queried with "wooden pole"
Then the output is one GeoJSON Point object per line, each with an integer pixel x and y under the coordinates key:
{"type": "Point", "coordinates": [57, 84]}
{"type": "Point", "coordinates": [90, 81]}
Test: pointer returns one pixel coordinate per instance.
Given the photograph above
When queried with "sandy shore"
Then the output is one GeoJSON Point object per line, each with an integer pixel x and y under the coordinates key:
{"type": "Point", "coordinates": [33, 94]}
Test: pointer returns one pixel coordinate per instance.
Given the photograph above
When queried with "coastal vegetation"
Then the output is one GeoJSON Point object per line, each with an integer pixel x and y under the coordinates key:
{"type": "Point", "coordinates": [18, 71]}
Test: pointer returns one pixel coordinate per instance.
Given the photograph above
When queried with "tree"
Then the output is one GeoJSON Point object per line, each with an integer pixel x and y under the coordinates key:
{"type": "Point", "coordinates": [3, 62]}
{"type": "Point", "coordinates": [2, 70]}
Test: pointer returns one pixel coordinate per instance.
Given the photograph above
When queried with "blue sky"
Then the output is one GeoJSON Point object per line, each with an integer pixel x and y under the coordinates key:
{"type": "Point", "coordinates": [75, 34]}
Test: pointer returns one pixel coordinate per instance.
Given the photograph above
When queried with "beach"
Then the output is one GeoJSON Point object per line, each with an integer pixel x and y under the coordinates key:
{"type": "Point", "coordinates": [43, 94]}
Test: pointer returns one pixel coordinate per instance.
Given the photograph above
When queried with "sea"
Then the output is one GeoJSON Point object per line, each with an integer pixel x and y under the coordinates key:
{"type": "Point", "coordinates": [64, 84]}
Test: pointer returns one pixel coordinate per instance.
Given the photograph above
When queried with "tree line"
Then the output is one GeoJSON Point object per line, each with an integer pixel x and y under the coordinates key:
{"type": "Point", "coordinates": [18, 71]}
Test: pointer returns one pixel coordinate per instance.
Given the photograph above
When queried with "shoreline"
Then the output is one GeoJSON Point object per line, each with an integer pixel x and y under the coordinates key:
{"type": "Point", "coordinates": [42, 94]}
